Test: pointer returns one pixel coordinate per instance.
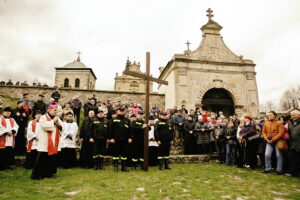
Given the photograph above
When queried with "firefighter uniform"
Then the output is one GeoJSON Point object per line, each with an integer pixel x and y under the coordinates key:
{"type": "Point", "coordinates": [138, 142]}
{"type": "Point", "coordinates": [164, 133]}
{"type": "Point", "coordinates": [120, 131]}
{"type": "Point", "coordinates": [99, 133]}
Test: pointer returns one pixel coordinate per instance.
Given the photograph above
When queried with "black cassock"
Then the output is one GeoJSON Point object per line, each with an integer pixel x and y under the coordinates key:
{"type": "Point", "coordinates": [86, 153]}
{"type": "Point", "coordinates": [20, 145]}
{"type": "Point", "coordinates": [190, 145]}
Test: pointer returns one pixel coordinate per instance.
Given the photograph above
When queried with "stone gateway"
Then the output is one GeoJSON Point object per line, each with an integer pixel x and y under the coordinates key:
{"type": "Point", "coordinates": [211, 77]}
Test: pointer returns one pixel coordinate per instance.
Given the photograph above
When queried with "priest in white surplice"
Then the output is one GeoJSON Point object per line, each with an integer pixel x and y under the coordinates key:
{"type": "Point", "coordinates": [32, 140]}
{"type": "Point", "coordinates": [48, 144]}
{"type": "Point", "coordinates": [68, 141]}
{"type": "Point", "coordinates": [8, 132]}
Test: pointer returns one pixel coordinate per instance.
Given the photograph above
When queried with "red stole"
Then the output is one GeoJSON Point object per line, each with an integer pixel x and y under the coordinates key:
{"type": "Point", "coordinates": [3, 138]}
{"type": "Point", "coordinates": [52, 148]}
{"type": "Point", "coordinates": [33, 125]}
{"type": "Point", "coordinates": [27, 110]}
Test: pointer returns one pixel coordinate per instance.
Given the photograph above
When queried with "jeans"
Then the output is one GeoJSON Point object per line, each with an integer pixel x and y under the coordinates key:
{"type": "Point", "coordinates": [230, 154]}
{"type": "Point", "coordinates": [268, 155]}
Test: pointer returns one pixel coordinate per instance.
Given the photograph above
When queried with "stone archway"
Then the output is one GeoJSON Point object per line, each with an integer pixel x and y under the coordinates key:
{"type": "Point", "coordinates": [218, 99]}
{"type": "Point", "coordinates": [219, 84]}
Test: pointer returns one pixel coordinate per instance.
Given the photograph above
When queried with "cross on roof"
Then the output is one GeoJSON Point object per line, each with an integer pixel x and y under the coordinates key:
{"type": "Point", "coordinates": [209, 13]}
{"type": "Point", "coordinates": [188, 45]}
{"type": "Point", "coordinates": [78, 58]}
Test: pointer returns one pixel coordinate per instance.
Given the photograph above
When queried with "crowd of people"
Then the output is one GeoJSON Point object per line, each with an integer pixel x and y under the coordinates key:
{"type": "Point", "coordinates": [24, 83]}
{"type": "Point", "coordinates": [49, 134]}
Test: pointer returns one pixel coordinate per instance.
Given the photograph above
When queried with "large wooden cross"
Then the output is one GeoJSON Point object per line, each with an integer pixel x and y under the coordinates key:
{"type": "Point", "coordinates": [147, 77]}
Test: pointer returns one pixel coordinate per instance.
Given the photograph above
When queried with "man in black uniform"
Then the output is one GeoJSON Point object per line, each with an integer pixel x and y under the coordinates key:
{"type": "Point", "coordinates": [39, 105]}
{"type": "Point", "coordinates": [164, 135]}
{"type": "Point", "coordinates": [137, 127]}
{"type": "Point", "coordinates": [119, 137]}
{"type": "Point", "coordinates": [98, 136]}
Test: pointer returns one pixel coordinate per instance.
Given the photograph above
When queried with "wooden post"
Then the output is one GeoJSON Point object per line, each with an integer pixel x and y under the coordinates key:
{"type": "Point", "coordinates": [147, 78]}
{"type": "Point", "coordinates": [146, 132]}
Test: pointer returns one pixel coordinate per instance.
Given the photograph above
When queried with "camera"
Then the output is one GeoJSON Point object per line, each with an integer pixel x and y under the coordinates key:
{"type": "Point", "coordinates": [270, 138]}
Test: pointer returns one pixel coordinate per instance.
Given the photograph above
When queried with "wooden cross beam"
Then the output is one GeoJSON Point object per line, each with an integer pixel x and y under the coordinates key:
{"type": "Point", "coordinates": [147, 77]}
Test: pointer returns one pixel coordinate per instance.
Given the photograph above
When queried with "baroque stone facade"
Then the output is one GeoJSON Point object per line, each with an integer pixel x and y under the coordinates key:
{"type": "Point", "coordinates": [128, 83]}
{"type": "Point", "coordinates": [75, 75]}
{"type": "Point", "coordinates": [211, 76]}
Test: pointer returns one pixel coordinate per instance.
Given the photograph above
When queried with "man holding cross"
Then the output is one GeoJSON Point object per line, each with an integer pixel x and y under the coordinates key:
{"type": "Point", "coordinates": [147, 77]}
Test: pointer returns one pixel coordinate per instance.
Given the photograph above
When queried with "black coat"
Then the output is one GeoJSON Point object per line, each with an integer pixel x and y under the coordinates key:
{"type": "Point", "coordinates": [55, 95]}
{"type": "Point", "coordinates": [21, 120]}
{"type": "Point", "coordinates": [99, 128]}
{"type": "Point", "coordinates": [39, 105]}
{"type": "Point", "coordinates": [202, 132]}
{"type": "Point", "coordinates": [85, 128]}
{"type": "Point", "coordinates": [248, 130]}
{"type": "Point", "coordinates": [120, 129]}
{"type": "Point", "coordinates": [164, 131]}
{"type": "Point", "coordinates": [137, 129]}
{"type": "Point", "coordinates": [218, 134]}
{"type": "Point", "coordinates": [189, 126]}
{"type": "Point", "coordinates": [294, 130]}
{"type": "Point", "coordinates": [231, 133]}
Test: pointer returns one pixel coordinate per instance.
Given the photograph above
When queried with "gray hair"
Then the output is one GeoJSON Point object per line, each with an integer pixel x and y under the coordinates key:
{"type": "Point", "coordinates": [295, 112]}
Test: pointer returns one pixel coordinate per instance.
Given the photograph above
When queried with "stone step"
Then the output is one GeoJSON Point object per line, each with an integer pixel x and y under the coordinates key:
{"type": "Point", "coordinates": [20, 160]}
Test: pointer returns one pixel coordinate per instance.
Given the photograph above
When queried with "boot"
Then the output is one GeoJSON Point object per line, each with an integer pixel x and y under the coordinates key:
{"type": "Point", "coordinates": [160, 164]}
{"type": "Point", "coordinates": [115, 162]}
{"type": "Point", "coordinates": [167, 162]}
{"type": "Point", "coordinates": [133, 166]}
{"type": "Point", "coordinates": [101, 163]}
{"type": "Point", "coordinates": [96, 163]}
{"type": "Point", "coordinates": [123, 166]}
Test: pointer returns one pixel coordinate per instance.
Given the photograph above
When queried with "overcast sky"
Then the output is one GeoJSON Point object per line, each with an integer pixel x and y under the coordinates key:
{"type": "Point", "coordinates": [36, 36]}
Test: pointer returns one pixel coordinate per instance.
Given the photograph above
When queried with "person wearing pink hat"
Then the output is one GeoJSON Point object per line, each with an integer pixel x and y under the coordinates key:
{"type": "Point", "coordinates": [48, 144]}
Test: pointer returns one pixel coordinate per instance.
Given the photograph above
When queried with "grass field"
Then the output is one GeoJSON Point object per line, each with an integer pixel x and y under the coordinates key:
{"type": "Point", "coordinates": [184, 181]}
{"type": "Point", "coordinates": [9, 102]}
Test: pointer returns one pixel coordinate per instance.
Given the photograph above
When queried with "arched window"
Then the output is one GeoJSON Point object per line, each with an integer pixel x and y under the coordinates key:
{"type": "Point", "coordinates": [66, 82]}
{"type": "Point", "coordinates": [77, 83]}
{"type": "Point", "coordinates": [134, 84]}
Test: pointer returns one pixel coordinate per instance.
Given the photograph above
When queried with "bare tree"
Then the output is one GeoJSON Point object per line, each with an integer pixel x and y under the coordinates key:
{"type": "Point", "coordinates": [290, 98]}
{"type": "Point", "coordinates": [270, 106]}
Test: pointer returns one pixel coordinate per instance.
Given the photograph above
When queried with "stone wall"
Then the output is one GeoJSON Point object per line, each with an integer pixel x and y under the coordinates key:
{"type": "Point", "coordinates": [178, 159]}
{"type": "Point", "coordinates": [67, 94]}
